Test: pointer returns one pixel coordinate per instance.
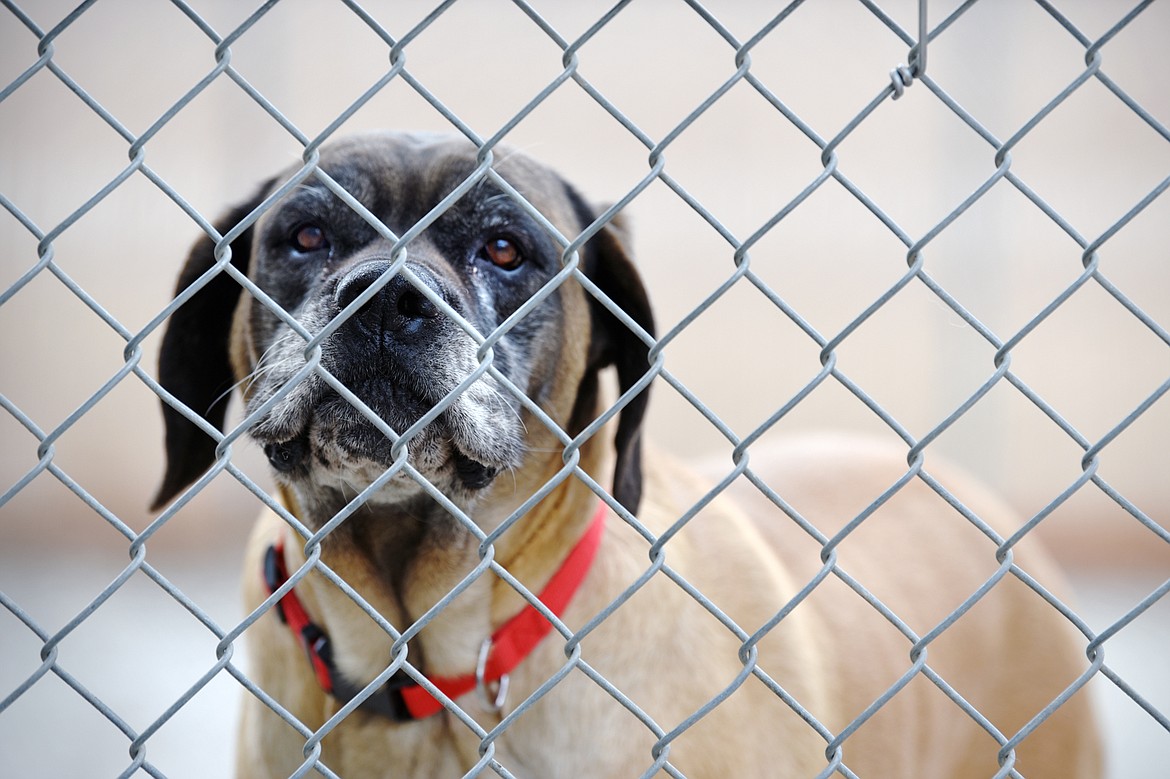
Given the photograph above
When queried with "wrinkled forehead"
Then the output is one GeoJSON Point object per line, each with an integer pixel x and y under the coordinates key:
{"type": "Point", "coordinates": [409, 174]}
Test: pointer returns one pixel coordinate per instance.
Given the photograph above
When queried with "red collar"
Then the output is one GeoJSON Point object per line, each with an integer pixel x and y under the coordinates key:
{"type": "Point", "coordinates": [402, 698]}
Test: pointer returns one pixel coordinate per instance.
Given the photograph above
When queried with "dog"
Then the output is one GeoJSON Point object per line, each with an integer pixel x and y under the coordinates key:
{"type": "Point", "coordinates": [400, 437]}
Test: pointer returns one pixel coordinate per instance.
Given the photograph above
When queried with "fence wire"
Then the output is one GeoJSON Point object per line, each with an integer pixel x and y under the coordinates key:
{"type": "Point", "coordinates": [49, 39]}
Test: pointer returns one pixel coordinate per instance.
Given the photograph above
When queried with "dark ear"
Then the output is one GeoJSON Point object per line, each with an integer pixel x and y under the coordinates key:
{"type": "Point", "coordinates": [194, 361]}
{"type": "Point", "coordinates": [607, 264]}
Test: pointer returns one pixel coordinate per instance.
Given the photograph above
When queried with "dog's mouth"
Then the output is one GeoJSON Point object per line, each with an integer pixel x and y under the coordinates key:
{"type": "Point", "coordinates": [293, 458]}
{"type": "Point", "coordinates": [316, 438]}
{"type": "Point", "coordinates": [288, 456]}
{"type": "Point", "coordinates": [474, 475]}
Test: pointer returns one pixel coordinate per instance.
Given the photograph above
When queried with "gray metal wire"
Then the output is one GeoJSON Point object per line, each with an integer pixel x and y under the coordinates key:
{"type": "Point", "coordinates": [901, 77]}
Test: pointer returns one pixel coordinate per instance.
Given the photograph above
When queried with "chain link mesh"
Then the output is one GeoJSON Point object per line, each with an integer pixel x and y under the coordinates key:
{"type": "Point", "coordinates": [911, 75]}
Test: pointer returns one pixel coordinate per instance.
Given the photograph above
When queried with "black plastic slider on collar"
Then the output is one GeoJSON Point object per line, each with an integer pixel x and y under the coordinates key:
{"type": "Point", "coordinates": [387, 702]}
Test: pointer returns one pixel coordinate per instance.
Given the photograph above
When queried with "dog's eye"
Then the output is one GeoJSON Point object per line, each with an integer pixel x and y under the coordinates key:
{"type": "Point", "coordinates": [309, 238]}
{"type": "Point", "coordinates": [502, 253]}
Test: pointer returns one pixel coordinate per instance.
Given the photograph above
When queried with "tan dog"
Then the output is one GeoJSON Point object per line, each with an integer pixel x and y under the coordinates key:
{"type": "Point", "coordinates": [621, 703]}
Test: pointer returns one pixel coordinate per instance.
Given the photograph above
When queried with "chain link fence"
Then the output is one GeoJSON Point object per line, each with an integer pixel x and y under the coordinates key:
{"type": "Point", "coordinates": [52, 642]}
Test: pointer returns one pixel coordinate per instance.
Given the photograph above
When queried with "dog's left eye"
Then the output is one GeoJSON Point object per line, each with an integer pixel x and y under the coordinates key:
{"type": "Point", "coordinates": [309, 238]}
{"type": "Point", "coordinates": [503, 253]}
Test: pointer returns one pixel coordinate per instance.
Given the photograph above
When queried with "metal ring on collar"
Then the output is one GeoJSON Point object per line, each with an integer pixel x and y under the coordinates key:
{"type": "Point", "coordinates": [492, 704]}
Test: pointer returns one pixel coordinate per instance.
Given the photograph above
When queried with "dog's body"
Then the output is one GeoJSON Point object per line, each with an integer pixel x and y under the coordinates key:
{"type": "Point", "coordinates": [662, 650]}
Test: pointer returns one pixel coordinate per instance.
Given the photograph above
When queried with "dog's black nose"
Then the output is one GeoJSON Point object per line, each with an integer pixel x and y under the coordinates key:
{"type": "Point", "coordinates": [397, 308]}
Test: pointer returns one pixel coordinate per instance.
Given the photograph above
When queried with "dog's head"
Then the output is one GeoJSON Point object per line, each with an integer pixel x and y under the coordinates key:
{"type": "Point", "coordinates": [402, 346]}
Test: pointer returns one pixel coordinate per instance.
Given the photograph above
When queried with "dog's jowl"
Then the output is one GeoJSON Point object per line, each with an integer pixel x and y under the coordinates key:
{"type": "Point", "coordinates": [409, 367]}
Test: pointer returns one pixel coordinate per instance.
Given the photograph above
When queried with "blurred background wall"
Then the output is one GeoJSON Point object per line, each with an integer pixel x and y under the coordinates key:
{"type": "Point", "coordinates": [1093, 159]}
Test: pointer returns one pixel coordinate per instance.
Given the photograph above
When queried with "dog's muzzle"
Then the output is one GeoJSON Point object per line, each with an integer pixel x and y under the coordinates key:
{"type": "Point", "coordinates": [407, 359]}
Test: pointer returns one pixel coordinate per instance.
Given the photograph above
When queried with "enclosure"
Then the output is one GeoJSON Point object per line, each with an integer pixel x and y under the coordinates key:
{"type": "Point", "coordinates": [959, 247]}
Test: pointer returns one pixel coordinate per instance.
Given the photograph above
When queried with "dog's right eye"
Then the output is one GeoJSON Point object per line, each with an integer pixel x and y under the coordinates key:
{"type": "Point", "coordinates": [309, 238]}
{"type": "Point", "coordinates": [503, 253]}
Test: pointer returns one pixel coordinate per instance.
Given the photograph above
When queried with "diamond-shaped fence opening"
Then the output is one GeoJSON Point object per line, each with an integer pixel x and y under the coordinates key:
{"type": "Point", "coordinates": [290, 35]}
{"type": "Point", "coordinates": [455, 68]}
{"type": "Point", "coordinates": [1045, 51]}
{"type": "Point", "coordinates": [161, 35]}
{"type": "Point", "coordinates": [47, 111]}
{"type": "Point", "coordinates": [954, 244]}
{"type": "Point", "coordinates": [1102, 189]}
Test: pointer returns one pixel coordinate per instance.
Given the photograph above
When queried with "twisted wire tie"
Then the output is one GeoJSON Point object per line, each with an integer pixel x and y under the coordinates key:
{"type": "Point", "coordinates": [901, 77]}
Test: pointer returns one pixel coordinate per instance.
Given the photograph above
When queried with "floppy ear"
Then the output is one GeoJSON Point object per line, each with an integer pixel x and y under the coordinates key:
{"type": "Point", "coordinates": [194, 361]}
{"type": "Point", "coordinates": [607, 264]}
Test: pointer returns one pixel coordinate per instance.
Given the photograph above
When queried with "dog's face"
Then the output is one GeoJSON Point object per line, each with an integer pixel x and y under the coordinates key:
{"type": "Point", "coordinates": [399, 326]}
{"type": "Point", "coordinates": [402, 353]}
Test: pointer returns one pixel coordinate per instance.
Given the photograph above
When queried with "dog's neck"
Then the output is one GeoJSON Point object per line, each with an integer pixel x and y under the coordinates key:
{"type": "Point", "coordinates": [403, 559]}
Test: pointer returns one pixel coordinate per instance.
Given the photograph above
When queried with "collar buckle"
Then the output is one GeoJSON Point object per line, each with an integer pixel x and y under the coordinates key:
{"type": "Point", "coordinates": [404, 699]}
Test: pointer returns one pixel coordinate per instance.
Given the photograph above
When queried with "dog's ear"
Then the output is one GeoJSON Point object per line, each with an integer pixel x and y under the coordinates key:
{"type": "Point", "coordinates": [194, 360]}
{"type": "Point", "coordinates": [607, 264]}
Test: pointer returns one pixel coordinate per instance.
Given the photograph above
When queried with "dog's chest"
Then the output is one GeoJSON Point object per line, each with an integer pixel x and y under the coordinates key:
{"type": "Point", "coordinates": [365, 748]}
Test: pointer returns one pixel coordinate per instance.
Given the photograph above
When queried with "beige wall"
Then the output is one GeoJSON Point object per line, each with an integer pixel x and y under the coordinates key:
{"type": "Point", "coordinates": [1092, 159]}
